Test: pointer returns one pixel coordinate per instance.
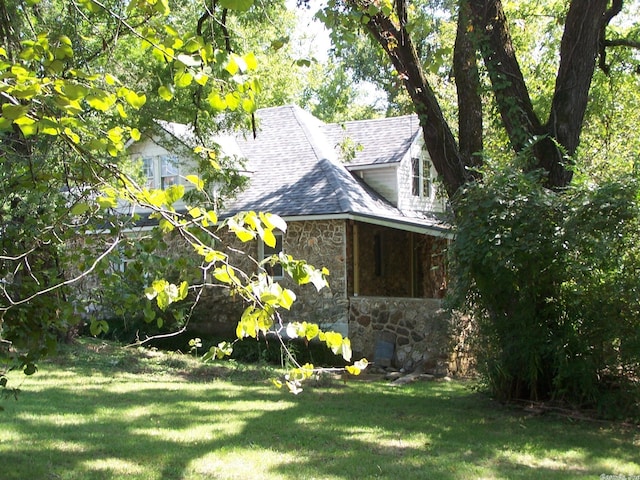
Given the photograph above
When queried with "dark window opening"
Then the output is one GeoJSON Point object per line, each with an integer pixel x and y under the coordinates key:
{"type": "Point", "coordinates": [377, 254]}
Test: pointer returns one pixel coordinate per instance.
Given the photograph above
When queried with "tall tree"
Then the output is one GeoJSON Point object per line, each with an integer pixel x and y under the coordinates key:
{"type": "Point", "coordinates": [78, 80]}
{"type": "Point", "coordinates": [484, 28]}
{"type": "Point", "coordinates": [529, 245]}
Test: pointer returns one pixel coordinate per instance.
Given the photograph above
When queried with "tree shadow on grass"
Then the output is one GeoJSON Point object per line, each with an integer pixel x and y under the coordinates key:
{"type": "Point", "coordinates": [117, 428]}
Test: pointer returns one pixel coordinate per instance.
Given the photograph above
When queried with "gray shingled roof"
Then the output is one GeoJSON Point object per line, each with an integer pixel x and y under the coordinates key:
{"type": "Point", "coordinates": [382, 140]}
{"type": "Point", "coordinates": [294, 168]}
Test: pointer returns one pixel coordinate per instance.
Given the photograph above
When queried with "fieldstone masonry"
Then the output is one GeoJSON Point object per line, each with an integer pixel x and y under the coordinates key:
{"type": "Point", "coordinates": [417, 327]}
{"type": "Point", "coordinates": [415, 331]}
{"type": "Point", "coordinates": [320, 243]}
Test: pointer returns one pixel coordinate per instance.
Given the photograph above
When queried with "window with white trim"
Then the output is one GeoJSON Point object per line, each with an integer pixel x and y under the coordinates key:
{"type": "Point", "coordinates": [265, 251]}
{"type": "Point", "coordinates": [148, 171]}
{"type": "Point", "coordinates": [161, 171]}
{"type": "Point", "coordinates": [421, 181]}
{"type": "Point", "coordinates": [169, 171]}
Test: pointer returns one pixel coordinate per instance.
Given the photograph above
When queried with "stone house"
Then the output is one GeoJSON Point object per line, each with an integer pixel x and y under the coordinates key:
{"type": "Point", "coordinates": [359, 198]}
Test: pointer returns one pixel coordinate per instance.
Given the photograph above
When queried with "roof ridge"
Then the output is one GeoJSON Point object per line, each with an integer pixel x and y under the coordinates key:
{"type": "Point", "coordinates": [374, 120]}
{"type": "Point", "coordinates": [326, 157]}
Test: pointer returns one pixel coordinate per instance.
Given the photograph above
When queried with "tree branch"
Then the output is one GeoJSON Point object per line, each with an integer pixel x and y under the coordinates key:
{"type": "Point", "coordinates": [616, 8]}
{"type": "Point", "coordinates": [510, 90]}
{"type": "Point", "coordinates": [578, 51]}
{"type": "Point", "coordinates": [439, 139]}
{"type": "Point", "coordinates": [470, 129]}
{"type": "Point", "coordinates": [622, 42]}
{"type": "Point", "coordinates": [75, 279]}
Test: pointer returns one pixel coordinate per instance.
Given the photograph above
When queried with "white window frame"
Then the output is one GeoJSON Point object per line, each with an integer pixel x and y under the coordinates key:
{"type": "Point", "coordinates": [157, 169]}
{"type": "Point", "coordinates": [148, 171]}
{"type": "Point", "coordinates": [421, 181]}
{"type": "Point", "coordinates": [169, 169]}
{"type": "Point", "coordinates": [265, 251]}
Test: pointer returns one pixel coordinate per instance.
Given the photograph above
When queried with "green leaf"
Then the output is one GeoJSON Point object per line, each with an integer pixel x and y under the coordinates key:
{"type": "Point", "coordinates": [224, 274]}
{"type": "Point", "coordinates": [47, 126]}
{"type": "Point", "coordinates": [236, 64]}
{"type": "Point", "coordinates": [110, 79]}
{"type": "Point", "coordinates": [357, 367]}
{"type": "Point", "coordinates": [166, 226]}
{"type": "Point", "coordinates": [273, 221]}
{"type": "Point", "coordinates": [80, 208]}
{"type": "Point", "coordinates": [251, 61]}
{"type": "Point", "coordinates": [216, 102]}
{"type": "Point", "coordinates": [183, 291]}
{"type": "Point", "coordinates": [239, 5]}
{"type": "Point", "coordinates": [182, 79]}
{"type": "Point", "coordinates": [248, 325]}
{"type": "Point", "coordinates": [148, 312]}
{"type": "Point", "coordinates": [212, 216]}
{"type": "Point", "coordinates": [75, 138]}
{"type": "Point", "coordinates": [135, 100]}
{"type": "Point", "coordinates": [201, 78]}
{"type": "Point", "coordinates": [311, 330]}
{"type": "Point", "coordinates": [188, 60]}
{"type": "Point", "coordinates": [98, 326]}
{"type": "Point", "coordinates": [279, 43]}
{"type": "Point", "coordinates": [100, 100]}
{"type": "Point", "coordinates": [244, 235]}
{"type": "Point", "coordinates": [269, 238]}
{"type": "Point", "coordinates": [249, 105]}
{"type": "Point", "coordinates": [195, 180]}
{"type": "Point", "coordinates": [232, 100]}
{"type": "Point", "coordinates": [166, 93]}
{"type": "Point", "coordinates": [174, 193]}
{"type": "Point", "coordinates": [30, 368]}
{"type": "Point", "coordinates": [287, 298]}
{"type": "Point", "coordinates": [115, 134]}
{"type": "Point", "coordinates": [150, 292]}
{"type": "Point", "coordinates": [13, 112]}
{"type": "Point", "coordinates": [121, 111]}
{"type": "Point", "coordinates": [162, 7]}
{"type": "Point", "coordinates": [107, 202]}
{"type": "Point", "coordinates": [27, 125]}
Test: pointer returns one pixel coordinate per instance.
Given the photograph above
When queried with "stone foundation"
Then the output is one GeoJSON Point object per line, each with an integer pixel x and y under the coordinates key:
{"type": "Point", "coordinates": [418, 330]}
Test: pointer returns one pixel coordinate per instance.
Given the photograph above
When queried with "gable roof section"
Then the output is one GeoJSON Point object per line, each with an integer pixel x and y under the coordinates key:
{"type": "Point", "coordinates": [383, 141]}
{"type": "Point", "coordinates": [294, 170]}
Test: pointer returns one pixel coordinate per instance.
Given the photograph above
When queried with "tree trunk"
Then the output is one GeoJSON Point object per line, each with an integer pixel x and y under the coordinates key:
{"type": "Point", "coordinates": [438, 137]}
{"type": "Point", "coordinates": [483, 26]}
{"type": "Point", "coordinates": [578, 55]}
{"type": "Point", "coordinates": [559, 137]}
{"type": "Point", "coordinates": [492, 37]}
{"type": "Point", "coordinates": [465, 67]}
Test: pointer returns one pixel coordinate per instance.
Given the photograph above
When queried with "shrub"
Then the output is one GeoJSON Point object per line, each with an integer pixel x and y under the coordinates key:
{"type": "Point", "coordinates": [551, 280]}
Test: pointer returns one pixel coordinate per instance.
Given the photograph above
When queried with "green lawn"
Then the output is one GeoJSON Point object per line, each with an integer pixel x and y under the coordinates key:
{"type": "Point", "coordinates": [105, 413]}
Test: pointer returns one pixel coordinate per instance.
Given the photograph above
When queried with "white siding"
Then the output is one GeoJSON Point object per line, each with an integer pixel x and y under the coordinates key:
{"type": "Point", "coordinates": [383, 181]}
{"type": "Point", "coordinates": [406, 200]}
{"type": "Point", "coordinates": [150, 148]}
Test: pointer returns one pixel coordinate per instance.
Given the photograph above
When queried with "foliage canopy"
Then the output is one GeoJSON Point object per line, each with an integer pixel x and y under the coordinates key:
{"type": "Point", "coordinates": [79, 81]}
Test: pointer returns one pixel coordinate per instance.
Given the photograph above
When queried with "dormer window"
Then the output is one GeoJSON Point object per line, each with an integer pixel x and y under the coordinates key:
{"type": "Point", "coordinates": [161, 171]}
{"type": "Point", "coordinates": [421, 182]}
{"type": "Point", "coordinates": [168, 171]}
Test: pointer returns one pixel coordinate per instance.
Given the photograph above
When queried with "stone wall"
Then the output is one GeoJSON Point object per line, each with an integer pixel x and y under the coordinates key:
{"type": "Point", "coordinates": [417, 331]}
{"type": "Point", "coordinates": [320, 243]}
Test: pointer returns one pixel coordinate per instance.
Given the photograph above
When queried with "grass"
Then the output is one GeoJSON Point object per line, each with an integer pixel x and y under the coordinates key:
{"type": "Point", "coordinates": [101, 412]}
